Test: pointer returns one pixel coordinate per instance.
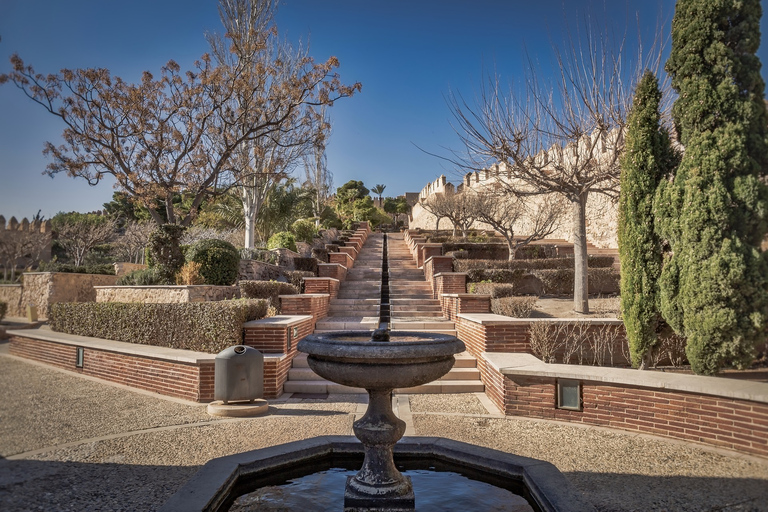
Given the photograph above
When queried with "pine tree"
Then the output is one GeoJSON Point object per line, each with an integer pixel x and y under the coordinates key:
{"type": "Point", "coordinates": [714, 285]}
{"type": "Point", "coordinates": [648, 157]}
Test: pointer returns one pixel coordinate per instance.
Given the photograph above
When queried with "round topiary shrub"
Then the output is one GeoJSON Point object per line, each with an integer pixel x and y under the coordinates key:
{"type": "Point", "coordinates": [304, 230]}
{"type": "Point", "coordinates": [282, 240]}
{"type": "Point", "coordinates": [219, 261]}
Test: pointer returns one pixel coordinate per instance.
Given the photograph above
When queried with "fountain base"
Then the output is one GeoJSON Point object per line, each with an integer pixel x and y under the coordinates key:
{"type": "Point", "coordinates": [398, 499]}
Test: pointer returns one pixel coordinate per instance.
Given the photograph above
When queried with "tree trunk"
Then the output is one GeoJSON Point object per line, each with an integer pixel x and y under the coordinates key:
{"type": "Point", "coordinates": [580, 284]}
{"type": "Point", "coordinates": [511, 246]}
{"type": "Point", "coordinates": [250, 224]}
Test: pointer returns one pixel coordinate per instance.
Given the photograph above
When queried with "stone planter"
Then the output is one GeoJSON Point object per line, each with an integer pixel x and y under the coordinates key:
{"type": "Point", "coordinates": [45, 288]}
{"type": "Point", "coordinates": [166, 294]}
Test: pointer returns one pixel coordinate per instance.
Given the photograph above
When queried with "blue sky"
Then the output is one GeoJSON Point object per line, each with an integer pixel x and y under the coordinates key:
{"type": "Point", "coordinates": [407, 54]}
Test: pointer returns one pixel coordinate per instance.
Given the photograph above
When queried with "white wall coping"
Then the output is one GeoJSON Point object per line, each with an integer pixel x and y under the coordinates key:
{"type": "Point", "coordinates": [526, 365]}
{"type": "Point", "coordinates": [120, 347]}
{"type": "Point", "coordinates": [279, 320]}
{"type": "Point", "coordinates": [493, 319]}
{"type": "Point", "coordinates": [316, 278]}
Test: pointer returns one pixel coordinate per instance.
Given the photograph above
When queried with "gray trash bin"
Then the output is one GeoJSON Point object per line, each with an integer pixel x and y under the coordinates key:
{"type": "Point", "coordinates": [239, 374]}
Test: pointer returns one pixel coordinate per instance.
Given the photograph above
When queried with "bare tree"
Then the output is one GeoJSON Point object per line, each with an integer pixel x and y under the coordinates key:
{"type": "Point", "coordinates": [130, 245]}
{"type": "Point", "coordinates": [79, 233]}
{"type": "Point", "coordinates": [262, 162]}
{"type": "Point", "coordinates": [510, 213]}
{"type": "Point", "coordinates": [563, 137]}
{"type": "Point", "coordinates": [318, 177]}
{"type": "Point", "coordinates": [458, 207]}
{"type": "Point", "coordinates": [161, 137]}
{"type": "Point", "coordinates": [23, 245]}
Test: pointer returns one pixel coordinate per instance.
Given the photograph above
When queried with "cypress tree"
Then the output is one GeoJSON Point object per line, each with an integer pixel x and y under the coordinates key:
{"type": "Point", "coordinates": [647, 158]}
{"type": "Point", "coordinates": [714, 287]}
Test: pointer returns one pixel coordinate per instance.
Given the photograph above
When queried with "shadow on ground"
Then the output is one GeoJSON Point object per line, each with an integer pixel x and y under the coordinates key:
{"type": "Point", "coordinates": [43, 485]}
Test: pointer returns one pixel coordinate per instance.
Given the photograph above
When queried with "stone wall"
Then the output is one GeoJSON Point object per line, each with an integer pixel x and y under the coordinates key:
{"type": "Point", "coordinates": [254, 270]}
{"type": "Point", "coordinates": [46, 288]}
{"type": "Point", "coordinates": [34, 237]}
{"type": "Point", "coordinates": [166, 294]}
{"type": "Point", "coordinates": [11, 294]}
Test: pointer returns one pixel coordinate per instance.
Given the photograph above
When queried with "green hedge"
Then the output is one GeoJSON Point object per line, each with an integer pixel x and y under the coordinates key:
{"type": "Point", "coordinates": [282, 240]}
{"type": "Point", "coordinates": [266, 290]}
{"type": "Point", "coordinates": [489, 251]}
{"type": "Point", "coordinates": [104, 269]}
{"type": "Point", "coordinates": [142, 277]}
{"type": "Point", "coordinates": [465, 265]}
{"type": "Point", "coordinates": [219, 261]}
{"type": "Point", "coordinates": [3, 309]}
{"type": "Point", "coordinates": [201, 326]}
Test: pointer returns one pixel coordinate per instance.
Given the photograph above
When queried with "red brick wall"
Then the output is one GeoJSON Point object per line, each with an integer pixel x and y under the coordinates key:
{"type": "Point", "coordinates": [332, 270]}
{"type": "Point", "coordinates": [306, 304]}
{"type": "Point", "coordinates": [275, 375]}
{"type": "Point", "coordinates": [342, 258]}
{"type": "Point", "coordinates": [270, 338]}
{"type": "Point", "coordinates": [322, 285]}
{"type": "Point", "coordinates": [729, 423]}
{"type": "Point", "coordinates": [448, 283]}
{"type": "Point", "coordinates": [171, 378]}
{"type": "Point", "coordinates": [352, 254]}
{"type": "Point", "coordinates": [481, 338]}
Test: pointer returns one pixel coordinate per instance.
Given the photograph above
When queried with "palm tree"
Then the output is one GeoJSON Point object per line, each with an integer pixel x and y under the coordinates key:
{"type": "Point", "coordinates": [378, 190]}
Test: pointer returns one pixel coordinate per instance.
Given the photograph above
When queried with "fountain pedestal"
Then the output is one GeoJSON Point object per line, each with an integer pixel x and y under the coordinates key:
{"type": "Point", "coordinates": [380, 365]}
{"type": "Point", "coordinates": [379, 480]}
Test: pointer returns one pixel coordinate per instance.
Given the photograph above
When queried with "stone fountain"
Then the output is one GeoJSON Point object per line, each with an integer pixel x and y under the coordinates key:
{"type": "Point", "coordinates": [380, 364]}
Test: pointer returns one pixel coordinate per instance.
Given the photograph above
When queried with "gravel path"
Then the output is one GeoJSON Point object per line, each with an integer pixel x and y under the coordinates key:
{"type": "Point", "coordinates": [131, 451]}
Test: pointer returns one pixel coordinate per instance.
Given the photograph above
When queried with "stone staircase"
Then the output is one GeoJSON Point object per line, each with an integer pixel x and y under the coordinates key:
{"type": "Point", "coordinates": [410, 296]}
{"type": "Point", "coordinates": [412, 308]}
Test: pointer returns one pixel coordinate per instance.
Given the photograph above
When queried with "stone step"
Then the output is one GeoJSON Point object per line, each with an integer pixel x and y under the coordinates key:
{"type": "Point", "coordinates": [416, 314]}
{"type": "Point", "coordinates": [404, 324]}
{"type": "Point", "coordinates": [318, 386]}
{"type": "Point", "coordinates": [417, 307]}
{"type": "Point", "coordinates": [355, 302]}
{"type": "Point", "coordinates": [341, 323]}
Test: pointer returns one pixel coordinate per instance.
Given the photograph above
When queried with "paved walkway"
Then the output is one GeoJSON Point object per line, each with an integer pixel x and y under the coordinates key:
{"type": "Point", "coordinates": [74, 443]}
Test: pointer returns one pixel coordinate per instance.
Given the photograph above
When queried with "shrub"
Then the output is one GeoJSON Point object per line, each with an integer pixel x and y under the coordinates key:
{"type": "Point", "coordinates": [306, 264]}
{"type": "Point", "coordinates": [142, 277]}
{"type": "Point", "coordinates": [517, 307]}
{"type": "Point", "coordinates": [165, 248]}
{"type": "Point", "coordinates": [190, 274]}
{"type": "Point", "coordinates": [296, 278]}
{"type": "Point", "coordinates": [3, 309]}
{"type": "Point", "coordinates": [495, 290]}
{"type": "Point", "coordinates": [464, 265]}
{"type": "Point", "coordinates": [282, 240]}
{"type": "Point", "coordinates": [556, 281]}
{"type": "Point", "coordinates": [531, 252]}
{"type": "Point", "coordinates": [266, 290]}
{"type": "Point", "coordinates": [54, 266]}
{"type": "Point", "coordinates": [494, 275]}
{"type": "Point", "coordinates": [491, 251]}
{"type": "Point", "coordinates": [304, 230]}
{"type": "Point", "coordinates": [219, 260]}
{"type": "Point", "coordinates": [604, 281]}
{"type": "Point", "coordinates": [201, 326]}
{"type": "Point", "coordinates": [461, 254]}
{"type": "Point", "coordinates": [334, 247]}
{"type": "Point", "coordinates": [320, 254]}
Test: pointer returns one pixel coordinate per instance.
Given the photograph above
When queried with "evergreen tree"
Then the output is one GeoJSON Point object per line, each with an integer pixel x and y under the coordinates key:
{"type": "Point", "coordinates": [714, 287]}
{"type": "Point", "coordinates": [647, 158]}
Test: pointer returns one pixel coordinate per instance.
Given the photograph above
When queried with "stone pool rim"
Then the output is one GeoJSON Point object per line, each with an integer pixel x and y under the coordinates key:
{"type": "Point", "coordinates": [333, 345]}
{"type": "Point", "coordinates": [208, 489]}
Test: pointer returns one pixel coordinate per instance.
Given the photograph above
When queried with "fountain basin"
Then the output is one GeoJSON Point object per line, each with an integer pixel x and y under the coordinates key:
{"type": "Point", "coordinates": [353, 359]}
{"type": "Point", "coordinates": [220, 481]}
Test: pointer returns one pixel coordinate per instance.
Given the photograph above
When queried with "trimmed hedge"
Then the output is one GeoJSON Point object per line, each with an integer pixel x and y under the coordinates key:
{"type": "Point", "coordinates": [219, 261]}
{"type": "Point", "coordinates": [465, 265]}
{"type": "Point", "coordinates": [142, 277]}
{"type": "Point", "coordinates": [104, 269]}
{"type": "Point", "coordinates": [517, 307]}
{"type": "Point", "coordinates": [602, 281]}
{"type": "Point", "coordinates": [3, 309]}
{"type": "Point", "coordinates": [296, 277]}
{"type": "Point", "coordinates": [305, 264]}
{"type": "Point", "coordinates": [201, 326]}
{"type": "Point", "coordinates": [489, 251]}
{"type": "Point", "coordinates": [266, 290]}
{"type": "Point", "coordinates": [320, 254]}
{"type": "Point", "coordinates": [495, 290]}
